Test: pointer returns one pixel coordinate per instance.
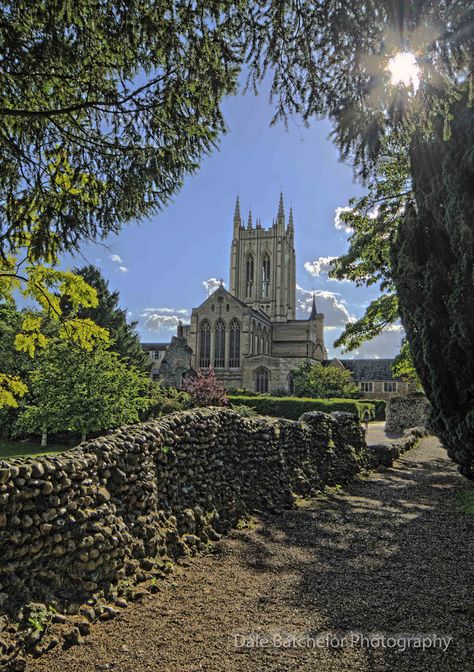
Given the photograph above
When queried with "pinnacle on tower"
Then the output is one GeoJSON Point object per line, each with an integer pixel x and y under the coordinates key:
{"type": "Point", "coordinates": [281, 214]}
{"type": "Point", "coordinates": [237, 216]}
{"type": "Point", "coordinates": [314, 312]}
{"type": "Point", "coordinates": [249, 221]}
{"type": "Point", "coordinates": [290, 221]}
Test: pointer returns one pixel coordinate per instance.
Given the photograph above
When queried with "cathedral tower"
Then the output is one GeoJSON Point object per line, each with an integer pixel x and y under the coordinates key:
{"type": "Point", "coordinates": [263, 265]}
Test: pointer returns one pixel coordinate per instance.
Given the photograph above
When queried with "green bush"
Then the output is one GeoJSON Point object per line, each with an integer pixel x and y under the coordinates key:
{"type": "Point", "coordinates": [380, 405]}
{"type": "Point", "coordinates": [165, 400]}
{"type": "Point", "coordinates": [293, 407]}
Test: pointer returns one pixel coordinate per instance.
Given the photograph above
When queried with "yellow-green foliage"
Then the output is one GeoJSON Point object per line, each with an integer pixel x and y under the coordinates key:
{"type": "Point", "coordinates": [47, 287]}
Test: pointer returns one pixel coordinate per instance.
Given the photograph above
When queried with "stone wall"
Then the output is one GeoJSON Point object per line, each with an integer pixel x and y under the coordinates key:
{"type": "Point", "coordinates": [404, 412]}
{"type": "Point", "coordinates": [127, 503]}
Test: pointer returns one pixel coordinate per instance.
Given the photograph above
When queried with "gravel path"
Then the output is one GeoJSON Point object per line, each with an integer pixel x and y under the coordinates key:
{"type": "Point", "coordinates": [390, 554]}
{"type": "Point", "coordinates": [377, 434]}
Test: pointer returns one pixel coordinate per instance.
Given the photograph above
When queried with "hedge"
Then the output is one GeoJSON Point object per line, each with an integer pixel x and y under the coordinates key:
{"type": "Point", "coordinates": [380, 405]}
{"type": "Point", "coordinates": [293, 407]}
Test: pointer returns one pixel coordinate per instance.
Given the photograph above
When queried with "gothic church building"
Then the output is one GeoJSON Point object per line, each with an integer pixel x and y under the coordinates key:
{"type": "Point", "coordinates": [249, 334]}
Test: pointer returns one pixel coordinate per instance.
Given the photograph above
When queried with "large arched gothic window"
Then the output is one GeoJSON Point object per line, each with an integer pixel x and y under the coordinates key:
{"type": "Point", "coordinates": [204, 344]}
{"type": "Point", "coordinates": [262, 378]}
{"type": "Point", "coordinates": [249, 275]}
{"type": "Point", "coordinates": [219, 347]}
{"type": "Point", "coordinates": [266, 275]}
{"type": "Point", "coordinates": [234, 349]}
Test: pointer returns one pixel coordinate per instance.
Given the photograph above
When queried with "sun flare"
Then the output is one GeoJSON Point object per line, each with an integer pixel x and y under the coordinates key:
{"type": "Point", "coordinates": [404, 70]}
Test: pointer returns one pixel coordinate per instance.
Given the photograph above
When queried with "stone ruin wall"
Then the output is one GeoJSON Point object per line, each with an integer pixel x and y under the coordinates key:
{"type": "Point", "coordinates": [119, 509]}
{"type": "Point", "coordinates": [404, 412]}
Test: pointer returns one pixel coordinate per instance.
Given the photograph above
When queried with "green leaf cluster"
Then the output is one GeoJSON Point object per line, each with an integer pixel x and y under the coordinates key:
{"type": "Point", "coordinates": [82, 391]}
{"type": "Point", "coordinates": [323, 382]}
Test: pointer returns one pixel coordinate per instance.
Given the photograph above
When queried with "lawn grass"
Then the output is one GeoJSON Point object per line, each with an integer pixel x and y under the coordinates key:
{"type": "Point", "coordinates": [27, 448]}
{"type": "Point", "coordinates": [466, 502]}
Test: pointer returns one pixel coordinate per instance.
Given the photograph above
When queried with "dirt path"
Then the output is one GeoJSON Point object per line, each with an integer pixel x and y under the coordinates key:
{"type": "Point", "coordinates": [391, 554]}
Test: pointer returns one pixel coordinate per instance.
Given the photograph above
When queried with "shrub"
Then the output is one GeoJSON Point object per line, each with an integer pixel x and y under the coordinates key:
{"type": "Point", "coordinates": [205, 390]}
{"type": "Point", "coordinates": [244, 411]}
{"type": "Point", "coordinates": [293, 407]}
{"type": "Point", "coordinates": [164, 400]}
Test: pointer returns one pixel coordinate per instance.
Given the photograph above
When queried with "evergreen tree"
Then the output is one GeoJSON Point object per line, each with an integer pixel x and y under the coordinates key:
{"type": "Point", "coordinates": [333, 59]}
{"type": "Point", "coordinates": [433, 260]}
{"type": "Point", "coordinates": [109, 315]}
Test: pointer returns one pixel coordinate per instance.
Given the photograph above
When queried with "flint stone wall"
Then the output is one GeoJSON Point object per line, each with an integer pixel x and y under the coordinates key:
{"type": "Point", "coordinates": [402, 413]}
{"type": "Point", "coordinates": [119, 508]}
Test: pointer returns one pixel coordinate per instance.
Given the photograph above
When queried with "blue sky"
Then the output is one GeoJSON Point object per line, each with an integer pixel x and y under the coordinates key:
{"type": "Point", "coordinates": [160, 266]}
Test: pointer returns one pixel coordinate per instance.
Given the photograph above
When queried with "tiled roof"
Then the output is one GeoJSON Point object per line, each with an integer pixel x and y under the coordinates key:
{"type": "Point", "coordinates": [154, 346]}
{"type": "Point", "coordinates": [370, 369]}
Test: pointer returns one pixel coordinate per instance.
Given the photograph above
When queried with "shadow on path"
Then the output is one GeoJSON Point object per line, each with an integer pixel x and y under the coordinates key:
{"type": "Point", "coordinates": [390, 554]}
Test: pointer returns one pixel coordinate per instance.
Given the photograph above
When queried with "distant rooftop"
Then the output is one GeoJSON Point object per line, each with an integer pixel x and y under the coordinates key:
{"type": "Point", "coordinates": [154, 346]}
{"type": "Point", "coordinates": [370, 369]}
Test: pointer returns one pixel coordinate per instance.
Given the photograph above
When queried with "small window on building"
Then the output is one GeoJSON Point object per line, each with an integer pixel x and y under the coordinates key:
{"type": "Point", "coordinates": [156, 377]}
{"type": "Point", "coordinates": [227, 307]}
{"type": "Point", "coordinates": [390, 386]}
{"type": "Point", "coordinates": [152, 354]}
{"type": "Point", "coordinates": [366, 387]}
{"type": "Point", "coordinates": [213, 308]}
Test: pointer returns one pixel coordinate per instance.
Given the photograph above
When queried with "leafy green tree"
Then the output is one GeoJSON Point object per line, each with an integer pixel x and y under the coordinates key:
{"type": "Point", "coordinates": [323, 382]}
{"type": "Point", "coordinates": [403, 366]}
{"type": "Point", "coordinates": [82, 391]}
{"type": "Point", "coordinates": [125, 340]}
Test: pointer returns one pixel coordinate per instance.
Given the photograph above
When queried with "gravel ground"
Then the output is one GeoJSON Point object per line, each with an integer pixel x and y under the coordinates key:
{"type": "Point", "coordinates": [377, 434]}
{"type": "Point", "coordinates": [390, 554]}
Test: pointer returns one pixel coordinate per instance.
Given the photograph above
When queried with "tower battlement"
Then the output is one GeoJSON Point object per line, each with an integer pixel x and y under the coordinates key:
{"type": "Point", "coordinates": [263, 264]}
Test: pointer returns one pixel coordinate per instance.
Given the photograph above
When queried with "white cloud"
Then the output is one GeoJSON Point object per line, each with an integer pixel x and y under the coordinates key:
{"type": "Point", "coordinates": [386, 345]}
{"type": "Point", "coordinates": [123, 269]}
{"type": "Point", "coordinates": [329, 303]}
{"type": "Point", "coordinates": [163, 319]}
{"type": "Point", "coordinates": [211, 284]}
{"type": "Point", "coordinates": [167, 311]}
{"type": "Point", "coordinates": [320, 266]}
{"type": "Point", "coordinates": [116, 259]}
{"type": "Point", "coordinates": [339, 222]}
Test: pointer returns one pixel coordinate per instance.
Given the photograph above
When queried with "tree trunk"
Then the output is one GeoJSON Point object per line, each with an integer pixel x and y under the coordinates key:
{"type": "Point", "coordinates": [44, 437]}
{"type": "Point", "coordinates": [83, 436]}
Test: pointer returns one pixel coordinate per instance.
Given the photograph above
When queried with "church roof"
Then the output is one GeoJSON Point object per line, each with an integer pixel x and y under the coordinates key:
{"type": "Point", "coordinates": [154, 346]}
{"type": "Point", "coordinates": [370, 369]}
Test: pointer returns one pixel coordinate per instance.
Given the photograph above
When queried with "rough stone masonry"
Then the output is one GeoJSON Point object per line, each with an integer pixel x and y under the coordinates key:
{"type": "Point", "coordinates": [120, 509]}
{"type": "Point", "coordinates": [81, 522]}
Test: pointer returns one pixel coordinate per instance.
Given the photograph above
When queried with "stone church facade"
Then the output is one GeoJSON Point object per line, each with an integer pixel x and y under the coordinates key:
{"type": "Point", "coordinates": [250, 334]}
